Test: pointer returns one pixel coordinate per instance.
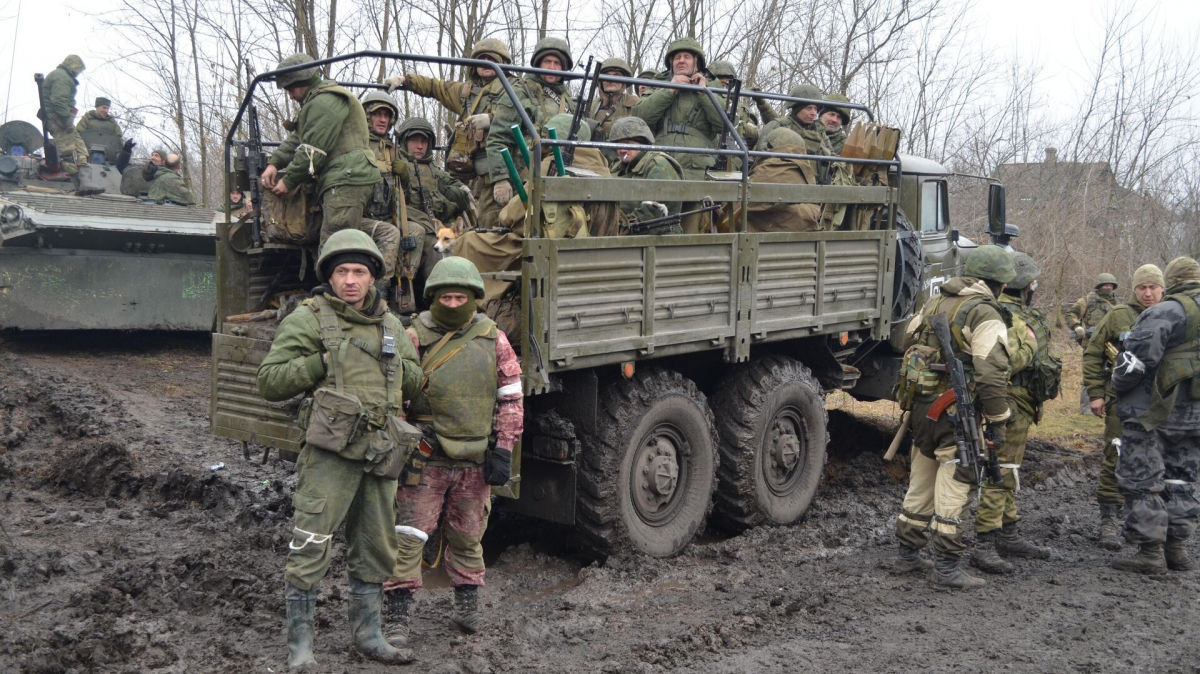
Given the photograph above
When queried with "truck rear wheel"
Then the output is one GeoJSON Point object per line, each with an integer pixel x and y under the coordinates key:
{"type": "Point", "coordinates": [910, 269]}
{"type": "Point", "coordinates": [772, 428]}
{"type": "Point", "coordinates": [646, 478]}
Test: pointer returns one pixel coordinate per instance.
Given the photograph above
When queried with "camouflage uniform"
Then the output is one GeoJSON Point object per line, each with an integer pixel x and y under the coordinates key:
{"type": "Point", "coordinates": [609, 107]}
{"type": "Point", "coordinates": [58, 107]}
{"type": "Point", "coordinates": [837, 139]}
{"type": "Point", "coordinates": [815, 140]}
{"type": "Point", "coordinates": [381, 212]}
{"type": "Point", "coordinates": [1088, 310]}
{"type": "Point", "coordinates": [1157, 382]}
{"type": "Point", "coordinates": [435, 198]}
{"type": "Point", "coordinates": [648, 164]}
{"type": "Point", "coordinates": [169, 186]}
{"type": "Point", "coordinates": [103, 132]}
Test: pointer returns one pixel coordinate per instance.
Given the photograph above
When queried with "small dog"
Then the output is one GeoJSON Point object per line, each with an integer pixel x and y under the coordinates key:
{"type": "Point", "coordinates": [445, 241]}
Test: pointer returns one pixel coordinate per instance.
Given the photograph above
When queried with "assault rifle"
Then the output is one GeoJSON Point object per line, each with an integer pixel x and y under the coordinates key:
{"type": "Point", "coordinates": [256, 162]}
{"type": "Point", "coordinates": [970, 442]}
{"type": "Point", "coordinates": [735, 93]}
{"type": "Point", "coordinates": [51, 152]}
{"type": "Point", "coordinates": [582, 106]}
{"type": "Point", "coordinates": [641, 226]}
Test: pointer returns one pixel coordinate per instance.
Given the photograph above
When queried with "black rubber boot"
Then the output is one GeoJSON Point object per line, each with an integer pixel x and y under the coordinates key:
{"type": "Point", "coordinates": [364, 610]}
{"type": "Point", "coordinates": [1148, 560]}
{"type": "Point", "coordinates": [301, 609]}
{"type": "Point", "coordinates": [1010, 544]}
{"type": "Point", "coordinates": [1110, 527]}
{"type": "Point", "coordinates": [985, 558]}
{"type": "Point", "coordinates": [1176, 553]}
{"type": "Point", "coordinates": [909, 560]}
{"type": "Point", "coordinates": [947, 574]}
{"type": "Point", "coordinates": [396, 605]}
{"type": "Point", "coordinates": [466, 608]}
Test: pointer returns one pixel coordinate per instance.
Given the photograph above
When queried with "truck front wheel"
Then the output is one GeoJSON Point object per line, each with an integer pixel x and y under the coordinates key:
{"type": "Point", "coordinates": [646, 478]}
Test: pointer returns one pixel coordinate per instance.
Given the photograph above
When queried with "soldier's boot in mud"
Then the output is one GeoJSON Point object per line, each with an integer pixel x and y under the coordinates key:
{"type": "Point", "coordinates": [466, 608]}
{"type": "Point", "coordinates": [1175, 551]}
{"type": "Point", "coordinates": [396, 606]}
{"type": "Point", "coordinates": [909, 560]}
{"type": "Point", "coordinates": [1148, 560]}
{"type": "Point", "coordinates": [365, 609]}
{"type": "Point", "coordinates": [1010, 544]}
{"type": "Point", "coordinates": [985, 558]}
{"type": "Point", "coordinates": [301, 610]}
{"type": "Point", "coordinates": [947, 574]}
{"type": "Point", "coordinates": [1110, 527]}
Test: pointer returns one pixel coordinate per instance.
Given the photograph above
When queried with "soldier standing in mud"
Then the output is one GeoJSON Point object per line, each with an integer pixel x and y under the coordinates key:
{"type": "Point", "coordinates": [348, 355]}
{"type": "Point", "coordinates": [471, 411]}
{"type": "Point", "coordinates": [1157, 381]}
{"type": "Point", "coordinates": [939, 488]}
{"type": "Point", "coordinates": [1102, 351]}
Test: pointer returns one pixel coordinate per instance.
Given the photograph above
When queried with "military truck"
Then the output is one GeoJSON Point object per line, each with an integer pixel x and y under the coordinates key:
{"type": "Point", "coordinates": [669, 379]}
{"type": "Point", "coordinates": [81, 255]}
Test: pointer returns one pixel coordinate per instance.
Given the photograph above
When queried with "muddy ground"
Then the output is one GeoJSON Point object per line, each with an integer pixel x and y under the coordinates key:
{"type": "Point", "coordinates": [122, 551]}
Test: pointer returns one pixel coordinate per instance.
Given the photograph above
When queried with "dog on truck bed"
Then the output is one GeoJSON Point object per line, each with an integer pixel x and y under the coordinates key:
{"type": "Point", "coordinates": [445, 241]}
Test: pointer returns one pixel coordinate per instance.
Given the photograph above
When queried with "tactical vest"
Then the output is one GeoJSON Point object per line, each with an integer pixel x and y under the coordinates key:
{"type": "Point", "coordinates": [1042, 379]}
{"type": "Point", "coordinates": [1180, 364]}
{"type": "Point", "coordinates": [350, 140]}
{"type": "Point", "coordinates": [459, 397]}
{"type": "Point", "coordinates": [605, 116]}
{"type": "Point", "coordinates": [1097, 307]}
{"type": "Point", "coordinates": [917, 380]}
{"type": "Point", "coordinates": [379, 206]}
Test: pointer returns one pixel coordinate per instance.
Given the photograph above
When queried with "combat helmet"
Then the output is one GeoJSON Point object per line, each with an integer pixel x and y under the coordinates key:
{"type": "Point", "coordinates": [302, 76]}
{"type": "Point", "coordinates": [648, 75]}
{"type": "Point", "coordinates": [633, 126]}
{"type": "Point", "coordinates": [1027, 271]}
{"type": "Point", "coordinates": [804, 91]}
{"type": "Point", "coordinates": [490, 46]}
{"type": "Point", "coordinates": [842, 112]}
{"type": "Point", "coordinates": [376, 99]}
{"type": "Point", "coordinates": [616, 63]}
{"type": "Point", "coordinates": [991, 263]}
{"type": "Point", "coordinates": [1181, 270]}
{"type": "Point", "coordinates": [685, 44]}
{"type": "Point", "coordinates": [414, 125]}
{"type": "Point", "coordinates": [454, 271]}
{"type": "Point", "coordinates": [552, 45]}
{"type": "Point", "coordinates": [721, 69]}
{"type": "Point", "coordinates": [1105, 278]}
{"type": "Point", "coordinates": [348, 245]}
{"type": "Point", "coordinates": [561, 123]}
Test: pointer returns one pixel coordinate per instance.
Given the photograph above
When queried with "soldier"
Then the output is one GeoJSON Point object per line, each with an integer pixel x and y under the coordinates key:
{"type": "Point", "coordinates": [835, 119]}
{"type": "Point", "coordinates": [98, 128]}
{"type": "Point", "coordinates": [1034, 378]}
{"type": "Point", "coordinates": [237, 206]}
{"type": "Point", "coordinates": [58, 109]}
{"type": "Point", "coordinates": [471, 410]}
{"type": "Point", "coordinates": [802, 118]}
{"type": "Point", "coordinates": [748, 121]}
{"type": "Point", "coordinates": [347, 354]}
{"type": "Point", "coordinates": [329, 149]}
{"type": "Point", "coordinates": [168, 185]}
{"type": "Point", "coordinates": [1085, 314]}
{"type": "Point", "coordinates": [615, 101]}
{"type": "Point", "coordinates": [1157, 382]}
{"type": "Point", "coordinates": [542, 96]}
{"type": "Point", "coordinates": [645, 75]}
{"type": "Point", "coordinates": [636, 163]}
{"type": "Point", "coordinates": [939, 488]}
{"type": "Point", "coordinates": [473, 101]}
{"type": "Point", "coordinates": [1102, 351]}
{"type": "Point", "coordinates": [382, 212]}
{"type": "Point", "coordinates": [435, 198]}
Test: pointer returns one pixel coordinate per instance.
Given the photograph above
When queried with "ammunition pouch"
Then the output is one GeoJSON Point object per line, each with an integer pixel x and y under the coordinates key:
{"type": "Point", "coordinates": [390, 447]}
{"type": "Point", "coordinates": [465, 141]}
{"type": "Point", "coordinates": [918, 376]}
{"type": "Point", "coordinates": [291, 218]}
{"type": "Point", "coordinates": [333, 421]}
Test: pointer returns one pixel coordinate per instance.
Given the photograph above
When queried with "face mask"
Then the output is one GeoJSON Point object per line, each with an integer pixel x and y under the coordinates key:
{"type": "Point", "coordinates": [452, 319]}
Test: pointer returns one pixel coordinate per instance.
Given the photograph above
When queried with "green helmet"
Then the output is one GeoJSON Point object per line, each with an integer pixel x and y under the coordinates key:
{"type": "Point", "coordinates": [302, 76]}
{"type": "Point", "coordinates": [782, 137]}
{"type": "Point", "coordinates": [992, 263]}
{"type": "Point", "coordinates": [1027, 271]}
{"type": "Point", "coordinates": [348, 245]}
{"type": "Point", "coordinates": [648, 75]}
{"type": "Point", "coordinates": [626, 128]}
{"type": "Point", "coordinates": [561, 123]}
{"type": "Point", "coordinates": [491, 47]}
{"type": "Point", "coordinates": [1105, 278]}
{"type": "Point", "coordinates": [720, 69]}
{"type": "Point", "coordinates": [416, 125]}
{"type": "Point", "coordinates": [454, 271]}
{"type": "Point", "coordinates": [685, 44]}
{"type": "Point", "coordinates": [377, 99]}
{"type": "Point", "coordinates": [1182, 270]}
{"type": "Point", "coordinates": [843, 112]}
{"type": "Point", "coordinates": [552, 45]}
{"type": "Point", "coordinates": [616, 63]}
{"type": "Point", "coordinates": [804, 91]}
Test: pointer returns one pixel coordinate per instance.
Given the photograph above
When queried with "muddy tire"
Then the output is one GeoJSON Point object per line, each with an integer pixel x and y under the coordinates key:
{"type": "Point", "coordinates": [910, 269]}
{"type": "Point", "coordinates": [646, 478]}
{"type": "Point", "coordinates": [772, 428]}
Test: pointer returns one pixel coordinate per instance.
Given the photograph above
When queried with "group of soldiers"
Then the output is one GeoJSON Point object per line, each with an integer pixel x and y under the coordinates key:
{"type": "Point", "coordinates": [98, 137]}
{"type": "Point", "coordinates": [1141, 372]}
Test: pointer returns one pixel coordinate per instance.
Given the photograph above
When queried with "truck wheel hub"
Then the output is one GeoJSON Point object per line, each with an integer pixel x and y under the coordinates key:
{"type": "Point", "coordinates": [658, 473]}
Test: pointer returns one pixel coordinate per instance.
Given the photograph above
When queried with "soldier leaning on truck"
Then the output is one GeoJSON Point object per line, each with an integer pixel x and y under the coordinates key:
{"type": "Point", "coordinates": [348, 355]}
{"type": "Point", "coordinates": [1102, 351]}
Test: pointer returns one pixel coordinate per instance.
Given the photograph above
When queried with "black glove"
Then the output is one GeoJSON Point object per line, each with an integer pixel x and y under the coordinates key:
{"type": "Point", "coordinates": [498, 467]}
{"type": "Point", "coordinates": [408, 243]}
{"type": "Point", "coordinates": [128, 145]}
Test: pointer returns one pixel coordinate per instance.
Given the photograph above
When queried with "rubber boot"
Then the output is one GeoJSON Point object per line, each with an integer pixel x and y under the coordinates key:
{"type": "Point", "coordinates": [909, 560]}
{"type": "Point", "coordinates": [466, 608]}
{"type": "Point", "coordinates": [1010, 544]}
{"type": "Point", "coordinates": [1177, 556]}
{"type": "Point", "coordinates": [1148, 560]}
{"type": "Point", "coordinates": [947, 574]}
{"type": "Point", "coordinates": [1110, 527]}
{"type": "Point", "coordinates": [301, 609]}
{"type": "Point", "coordinates": [397, 604]}
{"type": "Point", "coordinates": [365, 605]}
{"type": "Point", "coordinates": [985, 558]}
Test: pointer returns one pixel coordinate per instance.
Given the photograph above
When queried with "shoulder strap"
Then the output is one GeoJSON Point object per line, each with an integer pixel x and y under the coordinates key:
{"type": "Point", "coordinates": [331, 336]}
{"type": "Point", "coordinates": [431, 361]}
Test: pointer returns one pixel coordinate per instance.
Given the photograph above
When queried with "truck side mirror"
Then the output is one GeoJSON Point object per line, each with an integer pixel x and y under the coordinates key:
{"type": "Point", "coordinates": [996, 216]}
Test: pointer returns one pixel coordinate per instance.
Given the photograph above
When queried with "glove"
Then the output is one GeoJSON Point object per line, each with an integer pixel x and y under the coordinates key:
{"type": "Point", "coordinates": [394, 83]}
{"type": "Point", "coordinates": [502, 192]}
{"type": "Point", "coordinates": [995, 432]}
{"type": "Point", "coordinates": [1129, 364]}
{"type": "Point", "coordinates": [1080, 333]}
{"type": "Point", "coordinates": [658, 209]}
{"type": "Point", "coordinates": [408, 243]}
{"type": "Point", "coordinates": [498, 467]}
{"type": "Point", "coordinates": [400, 168]}
{"type": "Point", "coordinates": [480, 122]}
{"type": "Point", "coordinates": [128, 145]}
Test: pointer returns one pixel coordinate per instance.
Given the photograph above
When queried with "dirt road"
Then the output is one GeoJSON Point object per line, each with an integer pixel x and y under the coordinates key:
{"type": "Point", "coordinates": [122, 550]}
